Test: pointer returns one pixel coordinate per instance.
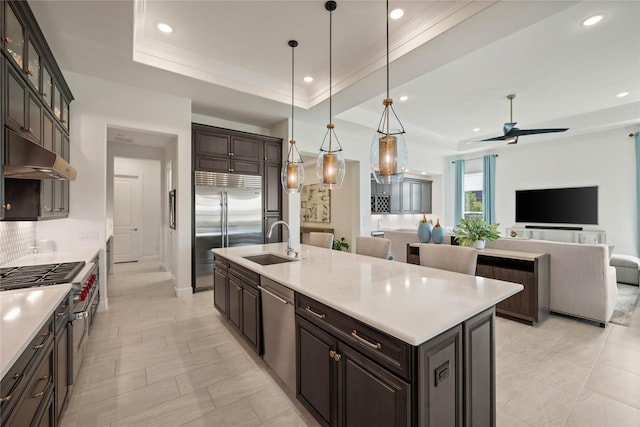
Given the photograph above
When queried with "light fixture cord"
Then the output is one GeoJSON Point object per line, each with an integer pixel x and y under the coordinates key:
{"type": "Point", "coordinates": [330, 75]}
{"type": "Point", "coordinates": [387, 48]}
{"type": "Point", "coordinates": [293, 48]}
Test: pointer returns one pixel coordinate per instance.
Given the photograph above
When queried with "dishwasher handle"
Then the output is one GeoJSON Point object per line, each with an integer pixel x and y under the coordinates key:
{"type": "Point", "coordinates": [282, 300]}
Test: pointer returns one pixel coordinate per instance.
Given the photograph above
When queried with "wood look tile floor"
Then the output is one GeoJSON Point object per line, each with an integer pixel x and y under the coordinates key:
{"type": "Point", "coordinates": [157, 360]}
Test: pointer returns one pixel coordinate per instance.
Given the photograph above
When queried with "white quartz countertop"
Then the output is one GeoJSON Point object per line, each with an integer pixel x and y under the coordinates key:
{"type": "Point", "coordinates": [410, 302]}
{"type": "Point", "coordinates": [86, 255]}
{"type": "Point", "coordinates": [22, 313]}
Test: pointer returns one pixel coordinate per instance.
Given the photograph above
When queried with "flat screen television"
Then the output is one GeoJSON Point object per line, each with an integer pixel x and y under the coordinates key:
{"type": "Point", "coordinates": [577, 205]}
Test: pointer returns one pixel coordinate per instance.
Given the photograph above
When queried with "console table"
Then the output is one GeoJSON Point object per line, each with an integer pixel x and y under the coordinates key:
{"type": "Point", "coordinates": [529, 269]}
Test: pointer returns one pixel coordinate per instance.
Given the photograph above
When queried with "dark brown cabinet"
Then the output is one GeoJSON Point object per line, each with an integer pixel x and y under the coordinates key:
{"type": "Point", "coordinates": [236, 297]}
{"type": "Point", "coordinates": [333, 377]}
{"type": "Point", "coordinates": [26, 391]}
{"type": "Point", "coordinates": [61, 357]}
{"type": "Point", "coordinates": [35, 102]}
{"type": "Point", "coordinates": [531, 271]}
{"type": "Point", "coordinates": [219, 151]}
{"type": "Point", "coordinates": [447, 381]}
{"type": "Point", "coordinates": [228, 151]}
{"type": "Point", "coordinates": [272, 188]}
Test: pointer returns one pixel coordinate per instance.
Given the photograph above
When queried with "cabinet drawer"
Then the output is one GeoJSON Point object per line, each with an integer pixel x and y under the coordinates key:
{"type": "Point", "coordinates": [220, 262]}
{"type": "Point", "coordinates": [388, 351]}
{"type": "Point", "coordinates": [37, 391]}
{"type": "Point", "coordinates": [17, 378]}
{"type": "Point", "coordinates": [247, 276]}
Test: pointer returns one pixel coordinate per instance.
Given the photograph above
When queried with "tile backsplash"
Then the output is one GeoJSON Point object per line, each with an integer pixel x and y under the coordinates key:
{"type": "Point", "coordinates": [16, 238]}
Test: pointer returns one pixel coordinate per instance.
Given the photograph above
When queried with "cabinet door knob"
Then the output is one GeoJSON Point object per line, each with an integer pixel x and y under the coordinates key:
{"type": "Point", "coordinates": [29, 72]}
{"type": "Point", "coordinates": [29, 130]}
{"type": "Point", "coordinates": [6, 39]}
{"type": "Point", "coordinates": [230, 170]}
{"type": "Point", "coordinates": [6, 206]}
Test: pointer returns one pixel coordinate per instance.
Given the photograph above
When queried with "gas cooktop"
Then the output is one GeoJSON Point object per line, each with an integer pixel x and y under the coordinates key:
{"type": "Point", "coordinates": [38, 275]}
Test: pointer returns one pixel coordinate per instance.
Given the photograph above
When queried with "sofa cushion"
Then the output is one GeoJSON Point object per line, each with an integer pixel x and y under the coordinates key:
{"type": "Point", "coordinates": [625, 261]}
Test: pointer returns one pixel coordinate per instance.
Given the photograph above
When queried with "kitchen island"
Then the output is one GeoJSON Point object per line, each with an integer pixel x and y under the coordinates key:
{"type": "Point", "coordinates": [383, 342]}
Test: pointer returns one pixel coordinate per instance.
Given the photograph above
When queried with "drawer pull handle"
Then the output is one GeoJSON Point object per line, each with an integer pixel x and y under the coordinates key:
{"type": "Point", "coordinates": [19, 376]}
{"type": "Point", "coordinates": [46, 386]}
{"type": "Point", "coordinates": [376, 346]}
{"type": "Point", "coordinates": [44, 341]}
{"type": "Point", "coordinates": [315, 313]}
{"type": "Point", "coordinates": [62, 313]}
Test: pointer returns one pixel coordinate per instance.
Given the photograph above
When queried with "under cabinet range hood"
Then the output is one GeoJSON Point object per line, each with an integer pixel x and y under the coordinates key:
{"type": "Point", "coordinates": [27, 160]}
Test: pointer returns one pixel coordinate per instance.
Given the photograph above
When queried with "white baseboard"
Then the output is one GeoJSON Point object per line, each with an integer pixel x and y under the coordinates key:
{"type": "Point", "coordinates": [183, 292]}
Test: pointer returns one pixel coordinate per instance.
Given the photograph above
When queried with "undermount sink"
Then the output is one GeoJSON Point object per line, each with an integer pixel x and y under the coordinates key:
{"type": "Point", "coordinates": [268, 259]}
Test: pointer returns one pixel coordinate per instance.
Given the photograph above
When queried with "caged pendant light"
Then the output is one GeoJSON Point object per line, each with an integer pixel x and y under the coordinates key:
{"type": "Point", "coordinates": [330, 166]}
{"type": "Point", "coordinates": [292, 175]}
{"type": "Point", "coordinates": [388, 148]}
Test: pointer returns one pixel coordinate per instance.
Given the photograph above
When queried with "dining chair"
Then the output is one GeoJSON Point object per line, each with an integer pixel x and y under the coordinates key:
{"type": "Point", "coordinates": [461, 259]}
{"type": "Point", "coordinates": [373, 246]}
{"type": "Point", "coordinates": [323, 240]}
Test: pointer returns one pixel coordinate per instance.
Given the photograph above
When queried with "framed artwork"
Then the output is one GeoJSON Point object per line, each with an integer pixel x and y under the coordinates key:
{"type": "Point", "coordinates": [315, 204]}
{"type": "Point", "coordinates": [172, 209]}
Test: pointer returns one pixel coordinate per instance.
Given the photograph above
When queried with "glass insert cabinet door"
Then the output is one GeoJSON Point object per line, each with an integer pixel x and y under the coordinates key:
{"type": "Point", "coordinates": [46, 86]}
{"type": "Point", "coordinates": [33, 69]}
{"type": "Point", "coordinates": [13, 36]}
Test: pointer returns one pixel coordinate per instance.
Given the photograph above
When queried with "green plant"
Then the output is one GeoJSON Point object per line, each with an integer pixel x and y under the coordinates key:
{"type": "Point", "coordinates": [339, 244]}
{"type": "Point", "coordinates": [472, 230]}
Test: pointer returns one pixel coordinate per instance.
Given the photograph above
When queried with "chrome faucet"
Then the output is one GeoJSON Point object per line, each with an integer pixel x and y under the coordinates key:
{"type": "Point", "coordinates": [289, 248]}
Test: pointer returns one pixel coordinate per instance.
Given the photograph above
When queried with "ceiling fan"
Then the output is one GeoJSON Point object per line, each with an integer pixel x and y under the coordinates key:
{"type": "Point", "coordinates": [511, 133]}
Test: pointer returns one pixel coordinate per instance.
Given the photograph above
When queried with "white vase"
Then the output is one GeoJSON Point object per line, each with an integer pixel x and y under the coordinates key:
{"type": "Point", "coordinates": [479, 244]}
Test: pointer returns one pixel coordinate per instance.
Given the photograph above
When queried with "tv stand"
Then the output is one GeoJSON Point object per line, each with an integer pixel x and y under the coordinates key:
{"type": "Point", "coordinates": [553, 227]}
{"type": "Point", "coordinates": [558, 234]}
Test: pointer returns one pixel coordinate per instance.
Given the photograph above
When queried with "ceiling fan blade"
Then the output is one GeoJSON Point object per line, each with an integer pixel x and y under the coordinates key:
{"type": "Point", "coordinates": [536, 131]}
{"type": "Point", "coordinates": [497, 138]}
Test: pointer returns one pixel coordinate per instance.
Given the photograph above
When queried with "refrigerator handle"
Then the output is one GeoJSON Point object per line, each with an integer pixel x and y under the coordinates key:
{"type": "Point", "coordinates": [222, 220]}
{"type": "Point", "coordinates": [226, 217]}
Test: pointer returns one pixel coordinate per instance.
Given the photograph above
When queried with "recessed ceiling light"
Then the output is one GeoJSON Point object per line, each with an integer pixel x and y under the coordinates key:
{"type": "Point", "coordinates": [307, 79]}
{"type": "Point", "coordinates": [622, 94]}
{"type": "Point", "coordinates": [165, 28]}
{"type": "Point", "coordinates": [476, 129]}
{"type": "Point", "coordinates": [404, 98]}
{"type": "Point", "coordinates": [396, 14]}
{"type": "Point", "coordinates": [592, 20]}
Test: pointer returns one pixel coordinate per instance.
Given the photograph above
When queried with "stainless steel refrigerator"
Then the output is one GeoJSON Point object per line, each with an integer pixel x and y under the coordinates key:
{"type": "Point", "coordinates": [228, 212]}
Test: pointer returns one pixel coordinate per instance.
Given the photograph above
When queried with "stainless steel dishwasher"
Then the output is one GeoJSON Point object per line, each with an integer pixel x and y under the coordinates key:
{"type": "Point", "coordinates": [278, 323]}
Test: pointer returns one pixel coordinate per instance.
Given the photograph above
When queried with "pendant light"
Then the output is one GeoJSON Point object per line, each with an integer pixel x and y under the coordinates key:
{"type": "Point", "coordinates": [292, 176]}
{"type": "Point", "coordinates": [388, 148]}
{"type": "Point", "coordinates": [330, 165]}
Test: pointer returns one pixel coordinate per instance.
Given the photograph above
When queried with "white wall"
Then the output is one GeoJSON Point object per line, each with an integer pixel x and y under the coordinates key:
{"type": "Point", "coordinates": [150, 176]}
{"type": "Point", "coordinates": [604, 159]}
{"type": "Point", "coordinates": [100, 104]}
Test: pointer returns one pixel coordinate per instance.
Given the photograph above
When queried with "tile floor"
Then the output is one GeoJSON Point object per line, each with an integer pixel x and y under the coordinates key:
{"type": "Point", "coordinates": [157, 360]}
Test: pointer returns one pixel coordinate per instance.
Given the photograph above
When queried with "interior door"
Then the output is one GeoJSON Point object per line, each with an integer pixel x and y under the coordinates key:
{"type": "Point", "coordinates": [126, 223]}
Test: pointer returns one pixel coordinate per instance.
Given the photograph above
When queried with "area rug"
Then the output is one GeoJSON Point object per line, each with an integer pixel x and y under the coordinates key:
{"type": "Point", "coordinates": [627, 301]}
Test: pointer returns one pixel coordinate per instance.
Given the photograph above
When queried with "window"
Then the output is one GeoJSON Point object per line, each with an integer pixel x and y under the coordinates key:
{"type": "Point", "coordinates": [472, 188]}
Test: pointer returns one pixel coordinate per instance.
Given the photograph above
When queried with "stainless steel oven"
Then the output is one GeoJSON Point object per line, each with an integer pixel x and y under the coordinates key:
{"type": "Point", "coordinates": [86, 297]}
